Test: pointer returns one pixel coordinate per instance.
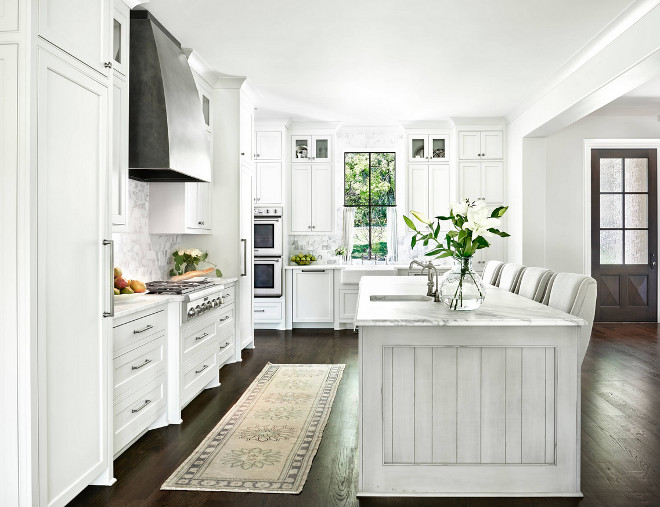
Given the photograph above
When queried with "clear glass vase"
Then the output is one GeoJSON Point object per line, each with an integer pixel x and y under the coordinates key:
{"type": "Point", "coordinates": [461, 288]}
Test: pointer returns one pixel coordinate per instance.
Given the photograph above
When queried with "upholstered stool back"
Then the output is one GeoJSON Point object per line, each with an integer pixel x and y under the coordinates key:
{"type": "Point", "coordinates": [492, 272]}
{"type": "Point", "coordinates": [509, 276]}
{"type": "Point", "coordinates": [533, 282]}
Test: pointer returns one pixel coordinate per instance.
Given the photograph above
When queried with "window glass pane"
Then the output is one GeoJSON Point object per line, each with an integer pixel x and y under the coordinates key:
{"type": "Point", "coordinates": [637, 174]}
{"type": "Point", "coordinates": [417, 147]}
{"type": "Point", "coordinates": [360, 232]}
{"type": "Point", "coordinates": [637, 210]}
{"type": "Point", "coordinates": [356, 179]}
{"type": "Point", "coordinates": [611, 247]}
{"type": "Point", "coordinates": [321, 148]}
{"type": "Point", "coordinates": [379, 232]}
{"type": "Point", "coordinates": [382, 179]}
{"type": "Point", "coordinates": [637, 247]}
{"type": "Point", "coordinates": [611, 171]}
{"type": "Point", "coordinates": [611, 211]}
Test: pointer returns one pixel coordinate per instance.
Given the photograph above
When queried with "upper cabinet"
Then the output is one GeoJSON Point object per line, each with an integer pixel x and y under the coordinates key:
{"type": "Point", "coordinates": [429, 189]}
{"type": "Point", "coordinates": [79, 27]}
{"type": "Point", "coordinates": [480, 144]}
{"type": "Point", "coordinates": [246, 138]}
{"type": "Point", "coordinates": [312, 208]}
{"type": "Point", "coordinates": [268, 145]}
{"type": "Point", "coordinates": [119, 168]}
{"type": "Point", "coordinates": [120, 40]}
{"type": "Point", "coordinates": [8, 15]}
{"type": "Point", "coordinates": [269, 165]}
{"type": "Point", "coordinates": [428, 147]}
{"type": "Point", "coordinates": [310, 148]}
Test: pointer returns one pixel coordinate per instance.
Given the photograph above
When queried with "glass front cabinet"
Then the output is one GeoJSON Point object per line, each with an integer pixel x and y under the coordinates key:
{"type": "Point", "coordinates": [311, 149]}
{"type": "Point", "coordinates": [428, 148]}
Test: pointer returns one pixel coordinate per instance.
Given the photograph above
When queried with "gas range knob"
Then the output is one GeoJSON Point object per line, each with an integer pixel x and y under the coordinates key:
{"type": "Point", "coordinates": [208, 305]}
{"type": "Point", "coordinates": [198, 310]}
{"type": "Point", "coordinates": [216, 302]}
{"type": "Point", "coordinates": [191, 313]}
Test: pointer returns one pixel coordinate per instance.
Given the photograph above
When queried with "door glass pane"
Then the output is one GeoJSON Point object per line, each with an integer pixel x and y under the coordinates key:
{"type": "Point", "coordinates": [611, 247]}
{"type": "Point", "coordinates": [417, 147]}
{"type": "Point", "coordinates": [637, 210]}
{"type": "Point", "coordinates": [611, 208]}
{"type": "Point", "coordinates": [611, 171]}
{"type": "Point", "coordinates": [438, 148]}
{"type": "Point", "coordinates": [301, 148]}
{"type": "Point", "coordinates": [637, 247]}
{"type": "Point", "coordinates": [321, 148]}
{"type": "Point", "coordinates": [116, 41]}
{"type": "Point", "coordinates": [637, 174]}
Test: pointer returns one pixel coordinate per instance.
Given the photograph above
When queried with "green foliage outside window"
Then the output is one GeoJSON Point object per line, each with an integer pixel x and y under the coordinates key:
{"type": "Point", "coordinates": [370, 187]}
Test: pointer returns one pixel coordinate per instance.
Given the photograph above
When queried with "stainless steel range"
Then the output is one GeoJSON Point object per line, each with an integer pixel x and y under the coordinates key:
{"type": "Point", "coordinates": [199, 296]}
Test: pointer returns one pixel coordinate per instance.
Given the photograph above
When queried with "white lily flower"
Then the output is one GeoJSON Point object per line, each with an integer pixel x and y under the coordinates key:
{"type": "Point", "coordinates": [181, 252]}
{"type": "Point", "coordinates": [479, 221]}
{"type": "Point", "coordinates": [420, 216]}
{"type": "Point", "coordinates": [459, 208]}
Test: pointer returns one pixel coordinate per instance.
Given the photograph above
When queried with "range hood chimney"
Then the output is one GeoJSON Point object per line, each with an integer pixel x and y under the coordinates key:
{"type": "Point", "coordinates": [166, 134]}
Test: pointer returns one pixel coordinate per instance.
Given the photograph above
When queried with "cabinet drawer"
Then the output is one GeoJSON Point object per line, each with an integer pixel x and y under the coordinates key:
{"type": "Point", "coordinates": [137, 412]}
{"type": "Point", "coordinates": [226, 319]}
{"type": "Point", "coordinates": [228, 295]}
{"type": "Point", "coordinates": [197, 373]}
{"type": "Point", "coordinates": [134, 333]}
{"type": "Point", "coordinates": [226, 347]}
{"type": "Point", "coordinates": [197, 337]}
{"type": "Point", "coordinates": [137, 367]}
{"type": "Point", "coordinates": [267, 312]}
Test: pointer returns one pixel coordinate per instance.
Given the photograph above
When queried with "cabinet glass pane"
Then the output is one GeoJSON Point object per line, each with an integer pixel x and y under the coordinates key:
{"type": "Point", "coordinates": [637, 247]}
{"type": "Point", "coordinates": [438, 148]}
{"type": "Point", "coordinates": [356, 179]}
{"type": "Point", "coordinates": [637, 206]}
{"type": "Point", "coordinates": [206, 109]}
{"type": "Point", "coordinates": [637, 174]}
{"type": "Point", "coordinates": [611, 247]}
{"type": "Point", "coordinates": [301, 148]}
{"type": "Point", "coordinates": [611, 208]}
{"type": "Point", "coordinates": [321, 148]}
{"type": "Point", "coordinates": [116, 41]}
{"type": "Point", "coordinates": [611, 172]}
{"type": "Point", "coordinates": [417, 147]}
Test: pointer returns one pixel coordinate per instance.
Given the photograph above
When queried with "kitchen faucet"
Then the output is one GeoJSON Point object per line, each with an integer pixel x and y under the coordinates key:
{"type": "Point", "coordinates": [430, 266]}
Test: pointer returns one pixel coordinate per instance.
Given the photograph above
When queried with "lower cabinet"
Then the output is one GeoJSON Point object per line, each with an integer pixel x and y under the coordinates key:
{"type": "Point", "coordinates": [347, 305]}
{"type": "Point", "coordinates": [267, 312]}
{"type": "Point", "coordinates": [313, 295]}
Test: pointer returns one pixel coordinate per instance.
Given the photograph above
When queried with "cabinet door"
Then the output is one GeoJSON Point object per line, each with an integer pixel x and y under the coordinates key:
{"type": "Point", "coordinates": [312, 295]}
{"type": "Point", "coordinates": [301, 197]}
{"type": "Point", "coordinates": [192, 206]}
{"type": "Point", "coordinates": [438, 148]}
{"type": "Point", "coordinates": [120, 40]}
{"type": "Point", "coordinates": [79, 27]}
{"type": "Point", "coordinates": [301, 148]}
{"type": "Point", "coordinates": [119, 172]}
{"type": "Point", "coordinates": [418, 188]}
{"type": "Point", "coordinates": [269, 183]}
{"type": "Point", "coordinates": [470, 179]}
{"type": "Point", "coordinates": [269, 146]}
{"type": "Point", "coordinates": [347, 304]}
{"type": "Point", "coordinates": [245, 292]}
{"type": "Point", "coordinates": [246, 130]}
{"type": "Point", "coordinates": [8, 15]}
{"type": "Point", "coordinates": [439, 191]}
{"type": "Point", "coordinates": [492, 182]}
{"type": "Point", "coordinates": [72, 220]}
{"type": "Point", "coordinates": [322, 151]}
{"type": "Point", "coordinates": [469, 144]}
{"type": "Point", "coordinates": [417, 147]}
{"type": "Point", "coordinates": [322, 201]}
{"type": "Point", "coordinates": [204, 205]}
{"type": "Point", "coordinates": [492, 144]}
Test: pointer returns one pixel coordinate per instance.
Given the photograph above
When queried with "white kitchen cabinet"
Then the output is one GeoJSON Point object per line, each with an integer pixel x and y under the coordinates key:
{"type": "Point", "coordinates": [246, 279]}
{"type": "Point", "coordinates": [198, 204]}
{"type": "Point", "coordinates": [179, 208]}
{"type": "Point", "coordinates": [429, 190]}
{"type": "Point", "coordinates": [311, 200]}
{"type": "Point", "coordinates": [428, 147]}
{"type": "Point", "coordinates": [311, 148]}
{"type": "Point", "coordinates": [482, 181]}
{"type": "Point", "coordinates": [268, 145]}
{"type": "Point", "coordinates": [348, 299]}
{"type": "Point", "coordinates": [119, 172]}
{"type": "Point", "coordinates": [313, 295]}
{"type": "Point", "coordinates": [120, 30]}
{"type": "Point", "coordinates": [267, 311]}
{"type": "Point", "coordinates": [269, 183]}
{"type": "Point", "coordinates": [73, 350]}
{"type": "Point", "coordinates": [79, 27]}
{"type": "Point", "coordinates": [480, 144]}
{"type": "Point", "coordinates": [246, 137]}
{"type": "Point", "coordinates": [8, 15]}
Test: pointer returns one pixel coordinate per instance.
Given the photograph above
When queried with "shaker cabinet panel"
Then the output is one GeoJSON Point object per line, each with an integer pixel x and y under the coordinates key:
{"type": "Point", "coordinates": [439, 191]}
{"type": "Point", "coordinates": [470, 175]}
{"type": "Point", "coordinates": [8, 15]}
{"type": "Point", "coordinates": [322, 205]}
{"type": "Point", "coordinates": [79, 27]}
{"type": "Point", "coordinates": [301, 200]}
{"type": "Point", "coordinates": [313, 295]}
{"type": "Point", "coordinates": [269, 183]}
{"type": "Point", "coordinates": [480, 144]}
{"type": "Point", "coordinates": [119, 170]}
{"type": "Point", "coordinates": [418, 191]}
{"type": "Point", "coordinates": [492, 146]}
{"type": "Point", "coordinates": [269, 145]}
{"type": "Point", "coordinates": [492, 182]}
{"type": "Point", "coordinates": [469, 144]}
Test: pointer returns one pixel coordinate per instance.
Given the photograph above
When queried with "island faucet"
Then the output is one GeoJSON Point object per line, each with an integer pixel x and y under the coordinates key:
{"type": "Point", "coordinates": [430, 266]}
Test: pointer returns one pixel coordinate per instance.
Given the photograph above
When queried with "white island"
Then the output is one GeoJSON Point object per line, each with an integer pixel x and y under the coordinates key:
{"type": "Point", "coordinates": [480, 403]}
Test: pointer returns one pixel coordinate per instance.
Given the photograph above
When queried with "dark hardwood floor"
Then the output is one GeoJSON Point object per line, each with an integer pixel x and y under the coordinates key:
{"type": "Point", "coordinates": [620, 430]}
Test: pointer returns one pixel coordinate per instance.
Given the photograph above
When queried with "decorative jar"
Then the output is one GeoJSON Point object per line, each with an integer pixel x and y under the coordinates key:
{"type": "Point", "coordinates": [461, 288]}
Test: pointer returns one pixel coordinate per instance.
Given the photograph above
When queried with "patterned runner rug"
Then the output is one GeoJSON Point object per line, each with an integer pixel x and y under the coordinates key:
{"type": "Point", "coordinates": [267, 441]}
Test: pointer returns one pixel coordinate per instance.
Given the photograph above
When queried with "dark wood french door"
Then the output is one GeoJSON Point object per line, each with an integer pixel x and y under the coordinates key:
{"type": "Point", "coordinates": [624, 234]}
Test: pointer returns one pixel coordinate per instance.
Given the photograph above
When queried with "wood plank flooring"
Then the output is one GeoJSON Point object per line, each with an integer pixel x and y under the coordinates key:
{"type": "Point", "coordinates": [620, 430]}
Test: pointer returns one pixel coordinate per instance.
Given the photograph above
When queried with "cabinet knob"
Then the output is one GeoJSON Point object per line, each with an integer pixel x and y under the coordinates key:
{"type": "Point", "coordinates": [201, 222]}
{"type": "Point", "coordinates": [242, 154]}
{"type": "Point", "coordinates": [309, 226]}
{"type": "Point", "coordinates": [108, 65]}
{"type": "Point", "coordinates": [313, 158]}
{"type": "Point", "coordinates": [478, 154]}
{"type": "Point", "coordinates": [483, 154]}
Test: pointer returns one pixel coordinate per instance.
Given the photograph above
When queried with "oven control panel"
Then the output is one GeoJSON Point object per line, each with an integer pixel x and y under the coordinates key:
{"type": "Point", "coordinates": [275, 211]}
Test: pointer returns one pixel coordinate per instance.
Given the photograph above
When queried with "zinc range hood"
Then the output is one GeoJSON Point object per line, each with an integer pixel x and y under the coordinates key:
{"type": "Point", "coordinates": [167, 141]}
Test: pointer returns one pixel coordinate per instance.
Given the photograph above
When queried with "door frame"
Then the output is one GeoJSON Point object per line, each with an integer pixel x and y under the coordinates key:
{"type": "Point", "coordinates": [596, 144]}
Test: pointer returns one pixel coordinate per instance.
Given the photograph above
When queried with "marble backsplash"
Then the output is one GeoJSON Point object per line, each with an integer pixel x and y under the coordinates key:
{"type": "Point", "coordinates": [141, 255]}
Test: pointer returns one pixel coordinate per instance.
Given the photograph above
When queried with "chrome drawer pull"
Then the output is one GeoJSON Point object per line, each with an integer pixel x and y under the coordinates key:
{"type": "Point", "coordinates": [203, 368]}
{"type": "Point", "coordinates": [136, 410]}
{"type": "Point", "coordinates": [138, 331]}
{"type": "Point", "coordinates": [225, 318]}
{"type": "Point", "coordinates": [146, 362]}
{"type": "Point", "coordinates": [225, 346]}
{"type": "Point", "coordinates": [259, 311]}
{"type": "Point", "coordinates": [202, 336]}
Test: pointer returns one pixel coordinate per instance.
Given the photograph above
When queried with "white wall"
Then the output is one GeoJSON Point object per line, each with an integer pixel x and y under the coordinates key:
{"type": "Point", "coordinates": [564, 189]}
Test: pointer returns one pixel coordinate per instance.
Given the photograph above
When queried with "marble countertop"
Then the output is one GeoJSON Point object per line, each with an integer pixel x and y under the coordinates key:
{"type": "Point", "coordinates": [374, 267]}
{"type": "Point", "coordinates": [501, 308]}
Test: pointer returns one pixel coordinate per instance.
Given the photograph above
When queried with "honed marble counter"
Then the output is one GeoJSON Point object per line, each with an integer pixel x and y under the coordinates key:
{"type": "Point", "coordinates": [501, 308]}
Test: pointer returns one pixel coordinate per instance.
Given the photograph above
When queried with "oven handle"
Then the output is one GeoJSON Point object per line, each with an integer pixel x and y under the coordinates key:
{"type": "Point", "coordinates": [268, 219]}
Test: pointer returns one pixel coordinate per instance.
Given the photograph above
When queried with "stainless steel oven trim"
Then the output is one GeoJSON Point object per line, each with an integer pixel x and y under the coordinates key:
{"type": "Point", "coordinates": [277, 222]}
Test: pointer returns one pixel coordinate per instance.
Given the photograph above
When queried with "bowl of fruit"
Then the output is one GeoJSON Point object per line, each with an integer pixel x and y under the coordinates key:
{"type": "Point", "coordinates": [303, 259]}
{"type": "Point", "coordinates": [125, 289]}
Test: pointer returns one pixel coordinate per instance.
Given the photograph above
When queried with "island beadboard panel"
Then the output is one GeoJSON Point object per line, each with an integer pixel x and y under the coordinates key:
{"type": "Point", "coordinates": [471, 405]}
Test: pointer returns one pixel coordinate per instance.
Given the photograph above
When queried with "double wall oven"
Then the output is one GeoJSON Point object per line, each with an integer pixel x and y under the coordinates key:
{"type": "Point", "coordinates": [268, 264]}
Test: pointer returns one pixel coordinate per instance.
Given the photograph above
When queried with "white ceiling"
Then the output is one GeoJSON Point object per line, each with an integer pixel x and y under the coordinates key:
{"type": "Point", "coordinates": [383, 61]}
